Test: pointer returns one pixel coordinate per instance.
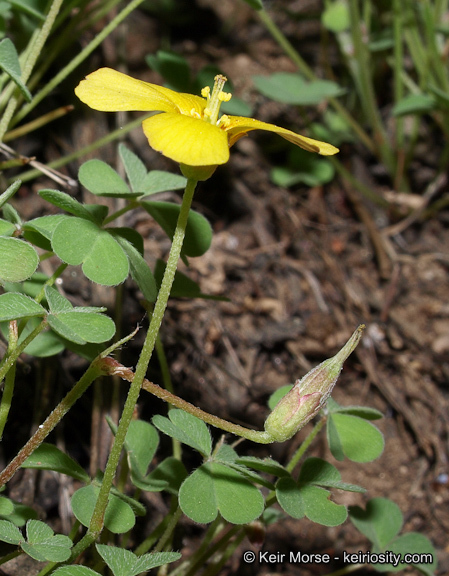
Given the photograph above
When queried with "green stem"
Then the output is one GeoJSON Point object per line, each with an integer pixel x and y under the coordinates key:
{"type": "Point", "coordinates": [10, 359]}
{"type": "Point", "coordinates": [174, 518]}
{"type": "Point", "coordinates": [10, 379]}
{"type": "Point", "coordinates": [305, 445]}
{"type": "Point", "coordinates": [152, 388]}
{"type": "Point", "coordinates": [165, 371]}
{"type": "Point", "coordinates": [308, 73]}
{"type": "Point", "coordinates": [77, 60]}
{"type": "Point", "coordinates": [96, 524]}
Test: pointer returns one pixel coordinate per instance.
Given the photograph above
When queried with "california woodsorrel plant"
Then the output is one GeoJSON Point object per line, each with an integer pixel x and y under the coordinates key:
{"type": "Point", "coordinates": [235, 494]}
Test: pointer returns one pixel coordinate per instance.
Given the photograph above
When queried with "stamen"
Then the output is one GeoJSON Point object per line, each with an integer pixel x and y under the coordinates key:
{"type": "Point", "coordinates": [210, 113]}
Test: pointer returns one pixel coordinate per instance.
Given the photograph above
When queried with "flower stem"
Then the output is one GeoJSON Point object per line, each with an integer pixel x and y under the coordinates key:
{"type": "Point", "coordinates": [96, 524]}
{"type": "Point", "coordinates": [127, 374]}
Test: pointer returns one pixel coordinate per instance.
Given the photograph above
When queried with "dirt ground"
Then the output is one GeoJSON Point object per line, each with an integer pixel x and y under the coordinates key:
{"type": "Point", "coordinates": [301, 268]}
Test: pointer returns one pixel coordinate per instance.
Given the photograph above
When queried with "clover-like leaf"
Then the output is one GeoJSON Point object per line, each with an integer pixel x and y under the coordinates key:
{"type": "Point", "coordinates": [123, 562]}
{"type": "Point", "coordinates": [75, 571]}
{"type": "Point", "coordinates": [215, 488]}
{"type": "Point", "coordinates": [320, 509]}
{"type": "Point", "coordinates": [18, 260]}
{"type": "Point", "coordinates": [292, 88]}
{"type": "Point", "coordinates": [43, 544]}
{"type": "Point", "coordinates": [14, 305]}
{"type": "Point", "coordinates": [79, 241]}
{"type": "Point", "coordinates": [49, 457]}
{"type": "Point", "coordinates": [321, 473]}
{"type": "Point", "coordinates": [299, 499]}
{"type": "Point", "coordinates": [119, 516]}
{"type": "Point", "coordinates": [168, 476]}
{"type": "Point", "coordinates": [102, 180]}
{"type": "Point", "coordinates": [380, 522]}
{"type": "Point", "coordinates": [198, 235]}
{"type": "Point", "coordinates": [80, 324]}
{"type": "Point", "coordinates": [141, 443]}
{"type": "Point", "coordinates": [10, 533]}
{"type": "Point", "coordinates": [187, 429]}
{"type": "Point", "coordinates": [353, 437]}
{"type": "Point", "coordinates": [6, 506]}
{"type": "Point", "coordinates": [140, 271]}
{"type": "Point", "coordinates": [68, 204]}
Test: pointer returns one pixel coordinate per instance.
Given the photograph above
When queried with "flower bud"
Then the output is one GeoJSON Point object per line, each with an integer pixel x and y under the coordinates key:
{"type": "Point", "coordinates": [308, 395]}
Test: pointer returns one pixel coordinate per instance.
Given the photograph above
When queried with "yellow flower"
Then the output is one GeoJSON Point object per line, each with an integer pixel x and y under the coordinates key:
{"type": "Point", "coordinates": [189, 129]}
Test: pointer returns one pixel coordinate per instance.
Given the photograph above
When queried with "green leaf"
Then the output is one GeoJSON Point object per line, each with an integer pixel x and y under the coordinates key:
{"type": "Point", "coordinates": [6, 228]}
{"type": "Point", "coordinates": [78, 241]}
{"type": "Point", "coordinates": [102, 180]}
{"type": "Point", "coordinates": [75, 571]}
{"type": "Point", "coordinates": [141, 443]}
{"type": "Point", "coordinates": [336, 16]}
{"type": "Point", "coordinates": [49, 457]}
{"type": "Point", "coordinates": [320, 509]}
{"type": "Point", "coordinates": [198, 236]}
{"type": "Point", "coordinates": [380, 522]}
{"type": "Point", "coordinates": [292, 88]}
{"type": "Point", "coordinates": [168, 476]}
{"type": "Point", "coordinates": [6, 506]}
{"type": "Point", "coordinates": [290, 498]}
{"type": "Point", "coordinates": [361, 411]}
{"type": "Point", "coordinates": [183, 286]}
{"type": "Point", "coordinates": [44, 345]}
{"type": "Point", "coordinates": [24, 6]}
{"type": "Point", "coordinates": [67, 203]}
{"type": "Point", "coordinates": [314, 172]}
{"type": "Point", "coordinates": [14, 306]}
{"type": "Point", "coordinates": [414, 104]}
{"type": "Point", "coordinates": [160, 181]}
{"type": "Point", "coordinates": [18, 260]}
{"type": "Point", "coordinates": [21, 514]}
{"type": "Point", "coordinates": [42, 544]}
{"type": "Point", "coordinates": [134, 168]}
{"type": "Point", "coordinates": [140, 271]}
{"type": "Point", "coordinates": [267, 465]}
{"type": "Point", "coordinates": [40, 230]}
{"type": "Point", "coordinates": [123, 562]}
{"type": "Point", "coordinates": [320, 472]}
{"type": "Point", "coordinates": [356, 438]}
{"type": "Point", "coordinates": [119, 516]}
{"type": "Point", "coordinates": [56, 301]}
{"type": "Point", "coordinates": [9, 63]}
{"type": "Point", "coordinates": [81, 326]}
{"type": "Point", "coordinates": [215, 488]}
{"type": "Point", "coordinates": [10, 533]}
{"type": "Point", "coordinates": [410, 543]}
{"type": "Point", "coordinates": [173, 68]}
{"type": "Point", "coordinates": [187, 429]}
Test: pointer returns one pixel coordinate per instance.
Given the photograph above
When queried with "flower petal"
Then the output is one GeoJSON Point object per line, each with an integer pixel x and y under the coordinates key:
{"type": "Point", "coordinates": [187, 140]}
{"type": "Point", "coordinates": [111, 91]}
{"type": "Point", "coordinates": [239, 126]}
